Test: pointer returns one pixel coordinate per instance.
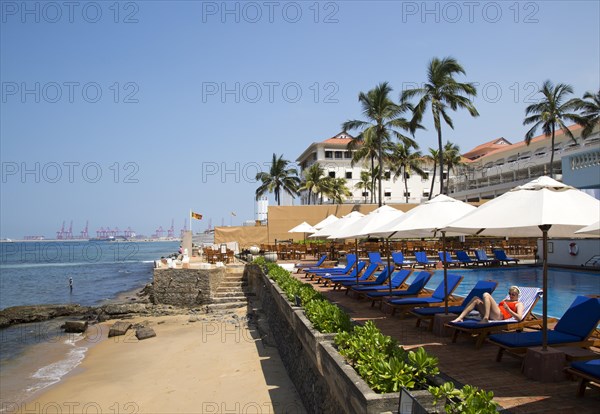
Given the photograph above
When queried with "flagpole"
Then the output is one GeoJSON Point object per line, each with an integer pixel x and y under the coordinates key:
{"type": "Point", "coordinates": [191, 218]}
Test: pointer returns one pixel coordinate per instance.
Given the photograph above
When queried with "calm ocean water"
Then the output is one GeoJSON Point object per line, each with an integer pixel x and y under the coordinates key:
{"type": "Point", "coordinates": [33, 356]}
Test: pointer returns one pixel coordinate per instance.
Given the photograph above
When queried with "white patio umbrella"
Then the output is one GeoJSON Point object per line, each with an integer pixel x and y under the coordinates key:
{"type": "Point", "coordinates": [326, 221]}
{"type": "Point", "coordinates": [337, 225]}
{"type": "Point", "coordinates": [591, 230]}
{"type": "Point", "coordinates": [424, 221]}
{"type": "Point", "coordinates": [543, 207]}
{"type": "Point", "coordinates": [303, 227]}
{"type": "Point", "coordinates": [365, 225]}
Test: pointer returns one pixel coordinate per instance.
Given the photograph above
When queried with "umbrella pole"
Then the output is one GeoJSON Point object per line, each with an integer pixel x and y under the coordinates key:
{"type": "Point", "coordinates": [389, 269]}
{"type": "Point", "coordinates": [356, 252]}
{"type": "Point", "coordinates": [445, 263]}
{"type": "Point", "coordinates": [545, 229]}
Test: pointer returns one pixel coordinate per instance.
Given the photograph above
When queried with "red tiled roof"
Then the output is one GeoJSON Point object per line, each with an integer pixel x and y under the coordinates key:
{"type": "Point", "coordinates": [338, 141]}
{"type": "Point", "coordinates": [495, 148]}
{"type": "Point", "coordinates": [487, 147]}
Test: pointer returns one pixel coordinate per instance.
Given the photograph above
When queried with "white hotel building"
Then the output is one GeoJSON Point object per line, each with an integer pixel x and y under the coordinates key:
{"type": "Point", "coordinates": [489, 169]}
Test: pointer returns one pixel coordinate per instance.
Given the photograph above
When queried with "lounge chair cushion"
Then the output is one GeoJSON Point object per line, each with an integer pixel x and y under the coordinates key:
{"type": "Point", "coordinates": [529, 339]}
{"type": "Point", "coordinates": [439, 291]}
{"type": "Point", "coordinates": [581, 317]}
{"type": "Point", "coordinates": [591, 367]}
{"type": "Point", "coordinates": [435, 311]}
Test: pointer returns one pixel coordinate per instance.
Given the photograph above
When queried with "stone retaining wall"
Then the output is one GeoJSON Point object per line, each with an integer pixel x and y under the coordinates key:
{"type": "Point", "coordinates": [186, 287]}
{"type": "Point", "coordinates": [325, 382]}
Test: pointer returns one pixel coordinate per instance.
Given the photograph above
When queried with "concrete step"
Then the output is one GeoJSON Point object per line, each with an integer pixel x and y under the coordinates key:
{"type": "Point", "coordinates": [227, 294]}
{"type": "Point", "coordinates": [228, 305]}
{"type": "Point", "coordinates": [230, 299]}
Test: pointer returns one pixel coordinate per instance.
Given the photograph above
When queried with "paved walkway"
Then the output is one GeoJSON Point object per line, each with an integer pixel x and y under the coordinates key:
{"type": "Point", "coordinates": [466, 365]}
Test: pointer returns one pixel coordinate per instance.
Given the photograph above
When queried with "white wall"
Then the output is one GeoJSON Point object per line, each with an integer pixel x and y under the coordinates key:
{"type": "Point", "coordinates": [560, 251]}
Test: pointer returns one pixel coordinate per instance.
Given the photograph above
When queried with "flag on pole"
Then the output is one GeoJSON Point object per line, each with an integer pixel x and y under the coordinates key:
{"type": "Point", "coordinates": [233, 214]}
{"type": "Point", "coordinates": [196, 216]}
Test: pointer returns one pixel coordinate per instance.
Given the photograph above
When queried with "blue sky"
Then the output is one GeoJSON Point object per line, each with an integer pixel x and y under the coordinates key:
{"type": "Point", "coordinates": [131, 113]}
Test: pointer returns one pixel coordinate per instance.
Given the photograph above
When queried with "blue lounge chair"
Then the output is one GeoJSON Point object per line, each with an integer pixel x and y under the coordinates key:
{"type": "Point", "coordinates": [481, 287]}
{"type": "Point", "coordinates": [398, 279]}
{"type": "Point", "coordinates": [483, 258]}
{"type": "Point", "coordinates": [398, 258]}
{"type": "Point", "coordinates": [414, 289]}
{"type": "Point", "coordinates": [529, 297]}
{"type": "Point", "coordinates": [500, 255]}
{"type": "Point", "coordinates": [312, 272]}
{"type": "Point", "coordinates": [381, 278]}
{"type": "Point", "coordinates": [355, 272]}
{"type": "Point", "coordinates": [437, 298]}
{"type": "Point", "coordinates": [587, 372]}
{"type": "Point", "coordinates": [367, 274]}
{"type": "Point", "coordinates": [573, 329]}
{"type": "Point", "coordinates": [449, 261]}
{"type": "Point", "coordinates": [375, 257]}
{"type": "Point", "coordinates": [422, 260]}
{"type": "Point", "coordinates": [319, 262]}
{"type": "Point", "coordinates": [464, 258]}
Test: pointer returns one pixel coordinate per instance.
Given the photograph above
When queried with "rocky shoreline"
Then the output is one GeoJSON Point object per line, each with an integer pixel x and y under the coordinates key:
{"type": "Point", "coordinates": [135, 306]}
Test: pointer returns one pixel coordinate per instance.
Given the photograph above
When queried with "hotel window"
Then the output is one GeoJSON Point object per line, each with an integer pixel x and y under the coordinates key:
{"type": "Point", "coordinates": [365, 194]}
{"type": "Point", "coordinates": [338, 154]}
{"type": "Point", "coordinates": [348, 154]}
{"type": "Point", "coordinates": [425, 193]}
{"type": "Point", "coordinates": [407, 194]}
{"type": "Point", "coordinates": [328, 154]}
{"type": "Point", "coordinates": [314, 156]}
{"type": "Point", "coordinates": [349, 175]}
{"type": "Point", "coordinates": [387, 193]}
{"type": "Point", "coordinates": [332, 174]}
{"type": "Point", "coordinates": [387, 174]}
{"type": "Point", "coordinates": [425, 176]}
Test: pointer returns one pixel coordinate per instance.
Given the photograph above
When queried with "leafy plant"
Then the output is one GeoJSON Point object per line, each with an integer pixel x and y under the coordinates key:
{"type": "Point", "coordinates": [381, 362]}
{"type": "Point", "coordinates": [327, 317]}
{"type": "Point", "coordinates": [467, 400]}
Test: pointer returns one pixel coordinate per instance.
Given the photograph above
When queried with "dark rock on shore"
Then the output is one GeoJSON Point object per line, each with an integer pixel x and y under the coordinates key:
{"type": "Point", "coordinates": [38, 313]}
{"type": "Point", "coordinates": [75, 326]}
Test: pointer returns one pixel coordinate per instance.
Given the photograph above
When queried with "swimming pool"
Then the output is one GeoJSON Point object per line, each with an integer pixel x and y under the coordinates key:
{"type": "Point", "coordinates": [563, 285]}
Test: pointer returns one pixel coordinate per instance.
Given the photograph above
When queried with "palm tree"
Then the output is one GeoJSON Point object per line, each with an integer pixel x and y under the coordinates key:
{"type": "Point", "coordinates": [442, 92]}
{"type": "Point", "coordinates": [591, 111]}
{"type": "Point", "coordinates": [404, 162]}
{"type": "Point", "coordinates": [551, 112]}
{"type": "Point", "coordinates": [452, 159]}
{"type": "Point", "coordinates": [337, 189]}
{"type": "Point", "coordinates": [313, 180]}
{"type": "Point", "coordinates": [362, 147]}
{"type": "Point", "coordinates": [384, 121]}
{"type": "Point", "coordinates": [278, 178]}
{"type": "Point", "coordinates": [365, 184]}
{"type": "Point", "coordinates": [432, 157]}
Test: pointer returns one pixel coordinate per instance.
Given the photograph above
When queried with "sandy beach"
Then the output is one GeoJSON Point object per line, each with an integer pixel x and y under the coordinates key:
{"type": "Point", "coordinates": [195, 364]}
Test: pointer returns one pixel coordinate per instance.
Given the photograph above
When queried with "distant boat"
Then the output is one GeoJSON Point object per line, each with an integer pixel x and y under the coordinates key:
{"type": "Point", "coordinates": [109, 238]}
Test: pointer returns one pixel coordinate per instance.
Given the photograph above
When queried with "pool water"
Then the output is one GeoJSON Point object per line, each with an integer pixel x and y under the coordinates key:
{"type": "Point", "coordinates": [563, 285]}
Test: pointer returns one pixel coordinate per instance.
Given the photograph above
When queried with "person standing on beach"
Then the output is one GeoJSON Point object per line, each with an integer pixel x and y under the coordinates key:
{"type": "Point", "coordinates": [71, 284]}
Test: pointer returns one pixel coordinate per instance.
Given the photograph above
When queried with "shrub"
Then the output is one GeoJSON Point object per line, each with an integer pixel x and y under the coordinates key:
{"type": "Point", "coordinates": [381, 362]}
{"type": "Point", "coordinates": [327, 317]}
{"type": "Point", "coordinates": [467, 400]}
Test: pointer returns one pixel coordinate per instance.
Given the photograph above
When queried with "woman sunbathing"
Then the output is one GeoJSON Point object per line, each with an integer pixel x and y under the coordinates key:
{"type": "Point", "coordinates": [490, 310]}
